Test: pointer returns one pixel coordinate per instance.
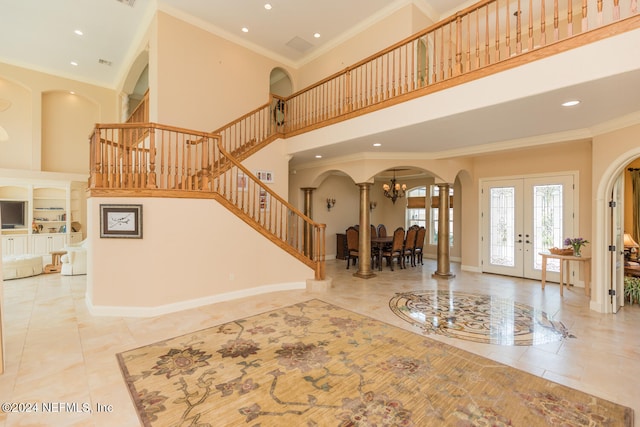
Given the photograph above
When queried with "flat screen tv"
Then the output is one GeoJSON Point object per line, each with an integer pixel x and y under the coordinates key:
{"type": "Point", "coordinates": [13, 214]}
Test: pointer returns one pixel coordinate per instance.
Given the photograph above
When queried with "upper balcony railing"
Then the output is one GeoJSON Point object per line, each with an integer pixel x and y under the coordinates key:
{"type": "Point", "coordinates": [484, 38]}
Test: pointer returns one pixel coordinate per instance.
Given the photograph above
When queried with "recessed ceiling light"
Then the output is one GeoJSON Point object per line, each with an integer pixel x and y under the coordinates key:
{"type": "Point", "coordinates": [72, 92]}
{"type": "Point", "coordinates": [570, 103]}
{"type": "Point", "coordinates": [74, 63]}
{"type": "Point", "coordinates": [245, 30]}
{"type": "Point", "coordinates": [78, 32]}
{"type": "Point", "coordinates": [267, 6]}
{"type": "Point", "coordinates": [318, 156]}
{"type": "Point", "coordinates": [377, 144]}
{"type": "Point", "coordinates": [316, 35]}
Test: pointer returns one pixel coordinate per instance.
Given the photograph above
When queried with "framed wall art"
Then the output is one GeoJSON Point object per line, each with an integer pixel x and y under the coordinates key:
{"type": "Point", "coordinates": [121, 221]}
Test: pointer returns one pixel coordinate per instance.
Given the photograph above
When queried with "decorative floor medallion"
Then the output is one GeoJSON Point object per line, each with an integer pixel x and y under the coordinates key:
{"type": "Point", "coordinates": [476, 317]}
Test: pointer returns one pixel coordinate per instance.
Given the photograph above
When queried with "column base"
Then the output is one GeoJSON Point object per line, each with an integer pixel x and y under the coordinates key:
{"type": "Point", "coordinates": [319, 285]}
{"type": "Point", "coordinates": [364, 275]}
{"type": "Point", "coordinates": [438, 275]}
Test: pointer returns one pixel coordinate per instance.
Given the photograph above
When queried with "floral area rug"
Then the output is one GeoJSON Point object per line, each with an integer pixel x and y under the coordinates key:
{"type": "Point", "coordinates": [315, 364]}
{"type": "Point", "coordinates": [476, 317]}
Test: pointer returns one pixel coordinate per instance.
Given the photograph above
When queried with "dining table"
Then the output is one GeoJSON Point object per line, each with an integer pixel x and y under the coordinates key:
{"type": "Point", "coordinates": [379, 243]}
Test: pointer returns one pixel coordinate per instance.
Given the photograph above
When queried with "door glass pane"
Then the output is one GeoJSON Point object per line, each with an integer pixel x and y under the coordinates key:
{"type": "Point", "coordinates": [547, 223]}
{"type": "Point", "coordinates": [502, 226]}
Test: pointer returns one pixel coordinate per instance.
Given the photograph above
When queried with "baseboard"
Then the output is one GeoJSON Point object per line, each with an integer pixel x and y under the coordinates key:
{"type": "Point", "coordinates": [189, 304]}
{"type": "Point", "coordinates": [471, 268]}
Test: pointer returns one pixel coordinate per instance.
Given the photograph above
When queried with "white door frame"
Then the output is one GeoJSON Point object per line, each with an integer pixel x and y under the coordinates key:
{"type": "Point", "coordinates": [601, 265]}
{"type": "Point", "coordinates": [576, 205]}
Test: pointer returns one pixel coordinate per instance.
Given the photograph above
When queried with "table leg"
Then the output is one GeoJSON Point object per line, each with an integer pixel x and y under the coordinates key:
{"type": "Point", "coordinates": [561, 276]}
{"type": "Point", "coordinates": [544, 271]}
{"type": "Point", "coordinates": [587, 277]}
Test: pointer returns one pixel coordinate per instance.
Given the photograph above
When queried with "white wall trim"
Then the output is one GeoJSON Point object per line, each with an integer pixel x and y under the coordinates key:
{"type": "Point", "coordinates": [120, 311]}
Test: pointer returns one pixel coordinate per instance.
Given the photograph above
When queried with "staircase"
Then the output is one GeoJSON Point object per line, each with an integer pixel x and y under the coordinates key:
{"type": "Point", "coordinates": [486, 38]}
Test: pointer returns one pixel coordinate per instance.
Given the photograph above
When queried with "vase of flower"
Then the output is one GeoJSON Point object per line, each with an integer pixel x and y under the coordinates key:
{"type": "Point", "coordinates": [576, 244]}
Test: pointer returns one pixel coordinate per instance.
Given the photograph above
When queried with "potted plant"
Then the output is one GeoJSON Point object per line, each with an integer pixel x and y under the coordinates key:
{"type": "Point", "coordinates": [576, 243]}
{"type": "Point", "coordinates": [632, 289]}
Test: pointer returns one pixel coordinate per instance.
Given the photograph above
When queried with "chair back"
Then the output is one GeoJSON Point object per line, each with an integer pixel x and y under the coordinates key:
{"type": "Point", "coordinates": [410, 241]}
{"type": "Point", "coordinates": [373, 231]}
{"type": "Point", "coordinates": [382, 230]}
{"type": "Point", "coordinates": [398, 240]}
{"type": "Point", "coordinates": [422, 232]}
{"type": "Point", "coordinates": [353, 240]}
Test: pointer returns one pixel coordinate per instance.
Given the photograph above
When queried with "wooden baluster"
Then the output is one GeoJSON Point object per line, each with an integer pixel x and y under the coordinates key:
{"type": "Point", "coordinates": [530, 24]}
{"type": "Point", "coordinates": [477, 38]}
{"type": "Point", "coordinates": [406, 69]}
{"type": "Point", "coordinates": [468, 62]}
{"type": "Point", "coordinates": [152, 159]}
{"type": "Point", "coordinates": [507, 37]}
{"type": "Point", "coordinates": [616, 10]}
{"type": "Point", "coordinates": [97, 153]}
{"type": "Point", "coordinates": [487, 56]}
{"type": "Point", "coordinates": [634, 7]}
{"type": "Point", "coordinates": [347, 91]}
{"type": "Point", "coordinates": [518, 14]}
{"type": "Point", "coordinates": [569, 18]}
{"type": "Point", "coordinates": [451, 54]}
{"type": "Point", "coordinates": [497, 42]}
{"type": "Point", "coordinates": [556, 30]}
{"type": "Point", "coordinates": [543, 35]}
{"type": "Point", "coordinates": [585, 24]}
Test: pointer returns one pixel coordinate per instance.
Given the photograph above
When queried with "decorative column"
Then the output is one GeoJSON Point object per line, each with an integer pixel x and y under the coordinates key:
{"type": "Point", "coordinates": [364, 234]}
{"type": "Point", "coordinates": [308, 211]}
{"type": "Point", "coordinates": [444, 267]}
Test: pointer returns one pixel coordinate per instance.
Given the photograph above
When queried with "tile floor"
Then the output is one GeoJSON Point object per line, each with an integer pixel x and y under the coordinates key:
{"type": "Point", "coordinates": [55, 352]}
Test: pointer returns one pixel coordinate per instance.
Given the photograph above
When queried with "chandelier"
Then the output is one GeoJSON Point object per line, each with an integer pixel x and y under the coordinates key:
{"type": "Point", "coordinates": [395, 190]}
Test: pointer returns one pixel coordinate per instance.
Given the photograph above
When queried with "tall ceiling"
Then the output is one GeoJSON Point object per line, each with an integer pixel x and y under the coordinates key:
{"type": "Point", "coordinates": [39, 34]}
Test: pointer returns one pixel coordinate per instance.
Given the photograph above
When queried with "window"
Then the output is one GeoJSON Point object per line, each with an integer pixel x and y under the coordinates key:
{"type": "Point", "coordinates": [433, 224]}
{"type": "Point", "coordinates": [416, 207]}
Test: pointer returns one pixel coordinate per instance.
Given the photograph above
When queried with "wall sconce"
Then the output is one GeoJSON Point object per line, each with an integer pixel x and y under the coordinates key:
{"type": "Point", "coordinates": [330, 203]}
{"type": "Point", "coordinates": [373, 205]}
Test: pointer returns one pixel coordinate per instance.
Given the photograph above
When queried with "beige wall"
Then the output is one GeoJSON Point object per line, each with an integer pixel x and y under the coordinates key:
{"type": "Point", "coordinates": [202, 81]}
{"type": "Point", "coordinates": [191, 251]}
{"type": "Point", "coordinates": [373, 39]}
{"type": "Point", "coordinates": [31, 110]}
{"type": "Point", "coordinates": [67, 121]}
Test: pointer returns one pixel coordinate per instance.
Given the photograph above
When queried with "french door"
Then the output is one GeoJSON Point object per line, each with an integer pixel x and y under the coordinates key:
{"type": "Point", "coordinates": [522, 217]}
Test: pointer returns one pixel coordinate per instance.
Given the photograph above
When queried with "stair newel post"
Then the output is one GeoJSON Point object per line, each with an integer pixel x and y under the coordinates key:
{"type": "Point", "coordinates": [320, 251]}
{"type": "Point", "coordinates": [308, 231]}
{"type": "Point", "coordinates": [96, 165]}
{"type": "Point", "coordinates": [151, 183]}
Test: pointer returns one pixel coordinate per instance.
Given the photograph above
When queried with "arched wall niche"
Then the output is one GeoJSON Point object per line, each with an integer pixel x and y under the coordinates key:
{"type": "Point", "coordinates": [136, 84]}
{"type": "Point", "coordinates": [17, 120]}
{"type": "Point", "coordinates": [280, 82]}
{"type": "Point", "coordinates": [67, 120]}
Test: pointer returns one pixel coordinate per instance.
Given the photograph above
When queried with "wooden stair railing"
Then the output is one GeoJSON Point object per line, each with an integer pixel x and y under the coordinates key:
{"type": "Point", "coordinates": [177, 162]}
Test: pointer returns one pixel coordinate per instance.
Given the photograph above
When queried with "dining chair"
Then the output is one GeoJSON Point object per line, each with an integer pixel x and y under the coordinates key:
{"type": "Point", "coordinates": [382, 230]}
{"type": "Point", "coordinates": [353, 244]}
{"type": "Point", "coordinates": [409, 247]}
{"type": "Point", "coordinates": [395, 251]}
{"type": "Point", "coordinates": [419, 249]}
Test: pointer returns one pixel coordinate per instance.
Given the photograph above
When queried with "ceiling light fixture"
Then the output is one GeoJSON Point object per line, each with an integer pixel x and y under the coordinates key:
{"type": "Point", "coordinates": [267, 6]}
{"type": "Point", "coordinates": [245, 30]}
{"type": "Point", "coordinates": [316, 35]}
{"type": "Point", "coordinates": [395, 190]}
{"type": "Point", "coordinates": [570, 103]}
{"type": "Point", "coordinates": [318, 156]}
{"type": "Point", "coordinates": [78, 32]}
{"type": "Point", "coordinates": [377, 144]}
{"type": "Point", "coordinates": [74, 63]}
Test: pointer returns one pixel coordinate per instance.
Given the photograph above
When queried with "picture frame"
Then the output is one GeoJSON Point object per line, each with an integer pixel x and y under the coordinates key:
{"type": "Point", "coordinates": [265, 176]}
{"type": "Point", "coordinates": [121, 221]}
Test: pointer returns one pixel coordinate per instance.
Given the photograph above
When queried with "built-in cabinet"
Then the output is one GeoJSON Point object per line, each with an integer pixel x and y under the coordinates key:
{"type": "Point", "coordinates": [53, 216]}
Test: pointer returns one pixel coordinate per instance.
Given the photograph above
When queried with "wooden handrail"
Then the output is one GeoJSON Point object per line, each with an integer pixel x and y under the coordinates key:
{"type": "Point", "coordinates": [177, 162]}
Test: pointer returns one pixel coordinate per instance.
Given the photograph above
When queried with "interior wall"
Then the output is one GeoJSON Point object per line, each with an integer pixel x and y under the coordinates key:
{"type": "Point", "coordinates": [203, 81]}
{"type": "Point", "coordinates": [371, 40]}
{"type": "Point", "coordinates": [67, 122]}
{"type": "Point", "coordinates": [24, 120]}
{"type": "Point", "coordinates": [192, 250]}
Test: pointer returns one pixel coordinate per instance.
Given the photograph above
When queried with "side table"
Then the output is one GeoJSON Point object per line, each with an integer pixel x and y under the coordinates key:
{"type": "Point", "coordinates": [586, 267]}
{"type": "Point", "coordinates": [55, 265]}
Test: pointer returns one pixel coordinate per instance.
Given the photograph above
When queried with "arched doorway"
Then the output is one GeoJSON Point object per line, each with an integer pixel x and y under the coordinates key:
{"type": "Point", "coordinates": [280, 83]}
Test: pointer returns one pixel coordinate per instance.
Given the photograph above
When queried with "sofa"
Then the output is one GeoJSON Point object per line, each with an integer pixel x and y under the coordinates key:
{"type": "Point", "coordinates": [18, 266]}
{"type": "Point", "coordinates": [74, 262]}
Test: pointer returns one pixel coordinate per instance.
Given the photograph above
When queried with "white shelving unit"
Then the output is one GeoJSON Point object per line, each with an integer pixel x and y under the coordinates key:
{"type": "Point", "coordinates": [52, 207]}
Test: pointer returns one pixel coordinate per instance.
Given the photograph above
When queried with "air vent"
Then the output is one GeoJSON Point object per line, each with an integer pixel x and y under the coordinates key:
{"type": "Point", "coordinates": [127, 2]}
{"type": "Point", "coordinates": [104, 62]}
{"type": "Point", "coordinates": [299, 44]}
